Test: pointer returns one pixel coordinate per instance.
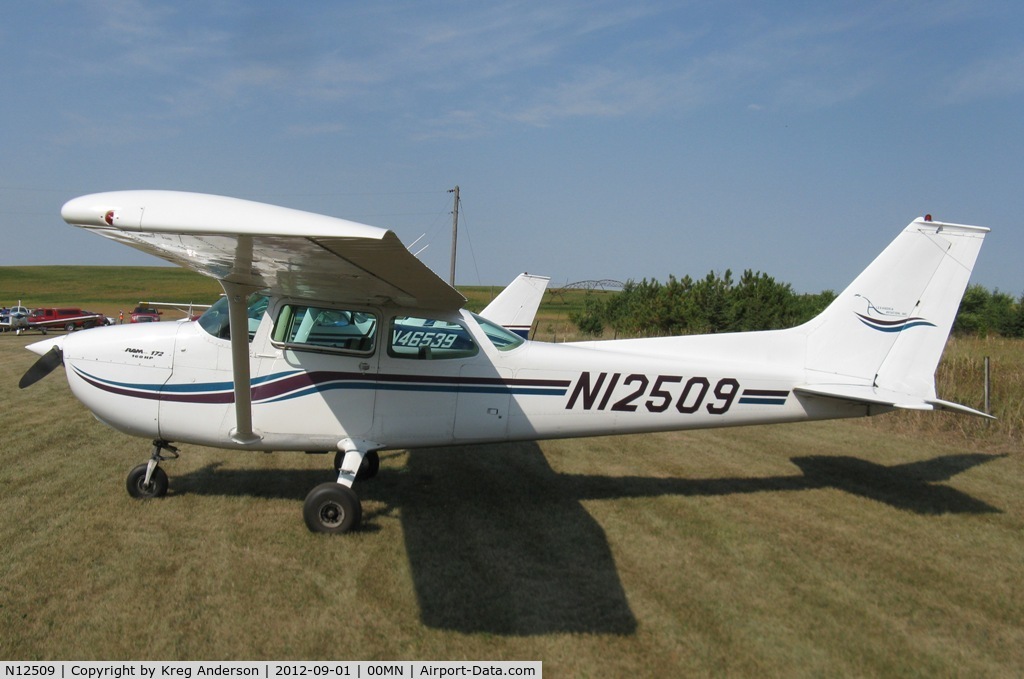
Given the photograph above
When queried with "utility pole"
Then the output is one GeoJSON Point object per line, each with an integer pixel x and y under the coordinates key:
{"type": "Point", "coordinates": [455, 231]}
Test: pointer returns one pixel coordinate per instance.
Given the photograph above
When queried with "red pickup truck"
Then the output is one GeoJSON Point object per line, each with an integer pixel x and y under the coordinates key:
{"type": "Point", "coordinates": [67, 318]}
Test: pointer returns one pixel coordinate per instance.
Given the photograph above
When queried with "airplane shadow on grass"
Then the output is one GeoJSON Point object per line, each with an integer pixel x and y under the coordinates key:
{"type": "Point", "coordinates": [500, 543]}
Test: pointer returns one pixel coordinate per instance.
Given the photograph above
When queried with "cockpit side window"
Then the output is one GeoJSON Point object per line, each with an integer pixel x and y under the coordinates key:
{"type": "Point", "coordinates": [318, 328]}
{"type": "Point", "coordinates": [215, 319]}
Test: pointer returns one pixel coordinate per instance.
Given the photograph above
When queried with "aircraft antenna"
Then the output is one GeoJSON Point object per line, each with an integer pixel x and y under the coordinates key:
{"type": "Point", "coordinates": [455, 232]}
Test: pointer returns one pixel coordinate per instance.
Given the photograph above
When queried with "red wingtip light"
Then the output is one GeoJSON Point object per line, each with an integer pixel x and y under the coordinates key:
{"type": "Point", "coordinates": [927, 218]}
{"type": "Point", "coordinates": [109, 217]}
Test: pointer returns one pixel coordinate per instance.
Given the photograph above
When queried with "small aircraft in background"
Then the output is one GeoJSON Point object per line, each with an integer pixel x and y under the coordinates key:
{"type": "Point", "coordinates": [150, 312]}
{"type": "Point", "coordinates": [14, 318]}
{"type": "Point", "coordinates": [333, 336]}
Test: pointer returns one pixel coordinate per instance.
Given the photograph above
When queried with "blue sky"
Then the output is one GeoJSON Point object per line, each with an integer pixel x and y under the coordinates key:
{"type": "Point", "coordinates": [590, 139]}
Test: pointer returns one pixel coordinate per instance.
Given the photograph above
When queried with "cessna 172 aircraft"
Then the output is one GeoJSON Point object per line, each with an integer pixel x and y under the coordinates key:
{"type": "Point", "coordinates": [332, 336]}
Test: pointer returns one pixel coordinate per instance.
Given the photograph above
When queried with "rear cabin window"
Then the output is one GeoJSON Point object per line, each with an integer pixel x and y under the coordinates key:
{"type": "Point", "coordinates": [310, 327]}
{"type": "Point", "coordinates": [429, 339]}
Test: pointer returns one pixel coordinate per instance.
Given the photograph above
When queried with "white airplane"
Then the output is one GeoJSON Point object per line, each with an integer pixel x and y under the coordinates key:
{"type": "Point", "coordinates": [333, 336]}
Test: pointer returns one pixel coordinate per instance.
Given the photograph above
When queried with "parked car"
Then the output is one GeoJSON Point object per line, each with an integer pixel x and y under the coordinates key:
{"type": "Point", "coordinates": [68, 318]}
{"type": "Point", "coordinates": [145, 314]}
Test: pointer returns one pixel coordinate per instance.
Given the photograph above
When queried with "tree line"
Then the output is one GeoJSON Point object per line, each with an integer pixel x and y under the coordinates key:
{"type": "Point", "coordinates": [754, 301]}
{"type": "Point", "coordinates": [987, 313]}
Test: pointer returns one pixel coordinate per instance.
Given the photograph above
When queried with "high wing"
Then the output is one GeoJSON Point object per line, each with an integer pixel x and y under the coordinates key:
{"type": "Point", "coordinates": [289, 252]}
{"type": "Point", "coordinates": [250, 246]}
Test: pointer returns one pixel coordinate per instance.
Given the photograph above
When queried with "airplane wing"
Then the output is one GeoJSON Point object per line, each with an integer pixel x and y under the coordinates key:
{"type": "Point", "coordinates": [874, 396]}
{"type": "Point", "coordinates": [289, 252]}
{"type": "Point", "coordinates": [250, 246]}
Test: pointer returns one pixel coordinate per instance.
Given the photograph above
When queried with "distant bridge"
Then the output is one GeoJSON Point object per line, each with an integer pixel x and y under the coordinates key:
{"type": "Point", "coordinates": [602, 284]}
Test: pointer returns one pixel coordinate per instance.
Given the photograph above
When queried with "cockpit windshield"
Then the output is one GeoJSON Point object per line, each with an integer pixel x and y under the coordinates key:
{"type": "Point", "coordinates": [215, 320]}
{"type": "Point", "coordinates": [501, 338]}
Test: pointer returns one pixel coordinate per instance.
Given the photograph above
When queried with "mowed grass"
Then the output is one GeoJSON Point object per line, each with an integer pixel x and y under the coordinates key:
{"type": "Point", "coordinates": [878, 547]}
{"type": "Point", "coordinates": [830, 548]}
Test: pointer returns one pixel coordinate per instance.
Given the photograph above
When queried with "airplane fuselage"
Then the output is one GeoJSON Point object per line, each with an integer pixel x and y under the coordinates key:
{"type": "Point", "coordinates": [407, 381]}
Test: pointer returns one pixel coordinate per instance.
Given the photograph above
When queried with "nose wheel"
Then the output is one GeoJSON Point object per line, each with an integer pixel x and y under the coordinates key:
{"type": "Point", "coordinates": [139, 488]}
{"type": "Point", "coordinates": [148, 480]}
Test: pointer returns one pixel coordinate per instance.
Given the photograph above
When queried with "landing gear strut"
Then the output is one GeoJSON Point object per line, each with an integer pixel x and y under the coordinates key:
{"type": "Point", "coordinates": [368, 468]}
{"type": "Point", "coordinates": [148, 480]}
{"type": "Point", "coordinates": [329, 508]}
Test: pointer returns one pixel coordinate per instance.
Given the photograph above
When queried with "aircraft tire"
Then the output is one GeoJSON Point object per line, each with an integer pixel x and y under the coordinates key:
{"type": "Point", "coordinates": [367, 469]}
{"type": "Point", "coordinates": [157, 483]}
{"type": "Point", "coordinates": [332, 508]}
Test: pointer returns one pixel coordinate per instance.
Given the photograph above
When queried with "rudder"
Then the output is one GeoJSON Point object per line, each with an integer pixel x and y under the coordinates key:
{"type": "Point", "coordinates": [889, 327]}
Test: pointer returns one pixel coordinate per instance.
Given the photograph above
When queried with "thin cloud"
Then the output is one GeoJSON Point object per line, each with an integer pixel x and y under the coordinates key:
{"type": "Point", "coordinates": [316, 129]}
{"type": "Point", "coordinates": [605, 93]}
{"type": "Point", "coordinates": [511, 64]}
{"type": "Point", "coordinates": [988, 78]}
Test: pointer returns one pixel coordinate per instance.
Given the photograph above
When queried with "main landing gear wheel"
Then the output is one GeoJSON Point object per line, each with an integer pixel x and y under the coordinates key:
{"type": "Point", "coordinates": [367, 469]}
{"type": "Point", "coordinates": [332, 508]}
{"type": "Point", "coordinates": [136, 482]}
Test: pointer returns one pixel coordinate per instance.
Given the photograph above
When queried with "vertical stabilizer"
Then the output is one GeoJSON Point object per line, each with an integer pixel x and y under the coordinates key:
{"type": "Point", "coordinates": [516, 306]}
{"type": "Point", "coordinates": [889, 327]}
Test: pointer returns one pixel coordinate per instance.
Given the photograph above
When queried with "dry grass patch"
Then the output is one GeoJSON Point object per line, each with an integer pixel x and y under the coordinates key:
{"type": "Point", "coordinates": [848, 548]}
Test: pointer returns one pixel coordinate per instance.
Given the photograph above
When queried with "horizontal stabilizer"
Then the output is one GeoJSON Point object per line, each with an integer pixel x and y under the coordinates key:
{"type": "Point", "coordinates": [956, 407]}
{"type": "Point", "coordinates": [874, 396]}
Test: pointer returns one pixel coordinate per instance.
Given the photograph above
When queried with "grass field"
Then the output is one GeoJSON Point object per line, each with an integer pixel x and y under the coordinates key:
{"type": "Point", "coordinates": [110, 289]}
{"type": "Point", "coordinates": [888, 546]}
{"type": "Point", "coordinates": [103, 289]}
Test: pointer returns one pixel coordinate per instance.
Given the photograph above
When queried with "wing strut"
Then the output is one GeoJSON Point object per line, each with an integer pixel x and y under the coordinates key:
{"type": "Point", "coordinates": [238, 317]}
